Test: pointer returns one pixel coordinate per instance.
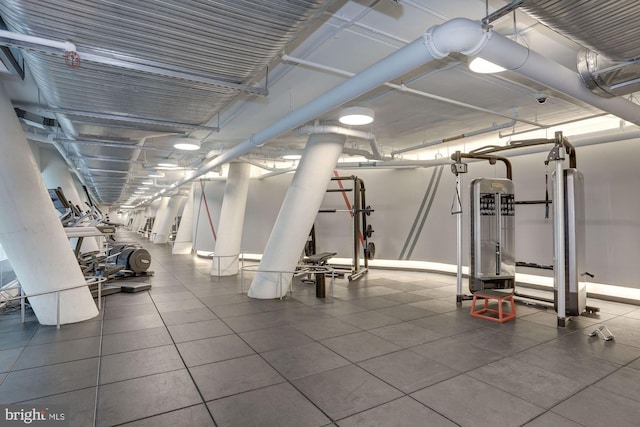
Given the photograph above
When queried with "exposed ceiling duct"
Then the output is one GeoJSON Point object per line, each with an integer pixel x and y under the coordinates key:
{"type": "Point", "coordinates": [608, 62]}
{"type": "Point", "coordinates": [457, 35]}
{"type": "Point", "coordinates": [145, 68]}
{"type": "Point", "coordinates": [607, 77]}
{"type": "Point", "coordinates": [154, 71]}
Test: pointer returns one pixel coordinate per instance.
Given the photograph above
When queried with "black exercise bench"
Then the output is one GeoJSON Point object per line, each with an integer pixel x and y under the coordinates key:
{"type": "Point", "coordinates": [318, 260]}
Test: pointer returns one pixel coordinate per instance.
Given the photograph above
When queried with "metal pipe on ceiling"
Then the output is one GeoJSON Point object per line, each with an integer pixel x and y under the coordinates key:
{"type": "Point", "coordinates": [603, 137]}
{"type": "Point", "coordinates": [406, 89]}
{"type": "Point", "coordinates": [515, 57]}
{"type": "Point", "coordinates": [457, 35]}
{"type": "Point", "coordinates": [104, 159]}
{"type": "Point", "coordinates": [126, 172]}
{"type": "Point", "coordinates": [12, 37]}
{"type": "Point", "coordinates": [115, 117]}
{"type": "Point", "coordinates": [454, 138]}
{"type": "Point", "coordinates": [114, 144]}
{"type": "Point", "coordinates": [54, 47]}
{"type": "Point", "coordinates": [339, 130]}
{"type": "Point", "coordinates": [398, 63]}
{"type": "Point", "coordinates": [565, 122]}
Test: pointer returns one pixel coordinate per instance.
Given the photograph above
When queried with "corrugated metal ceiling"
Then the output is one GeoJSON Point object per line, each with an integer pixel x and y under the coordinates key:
{"type": "Point", "coordinates": [151, 69]}
{"type": "Point", "coordinates": [146, 48]}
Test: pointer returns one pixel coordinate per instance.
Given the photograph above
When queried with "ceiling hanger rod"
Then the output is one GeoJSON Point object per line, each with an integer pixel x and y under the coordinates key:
{"type": "Point", "coordinates": [404, 88]}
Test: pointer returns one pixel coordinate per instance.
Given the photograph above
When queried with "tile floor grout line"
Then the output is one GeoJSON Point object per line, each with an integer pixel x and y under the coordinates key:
{"type": "Point", "coordinates": [593, 384]}
{"type": "Point", "coordinates": [491, 385]}
{"type": "Point", "coordinates": [502, 355]}
{"type": "Point", "coordinates": [18, 358]}
{"type": "Point", "coordinates": [586, 386]}
{"type": "Point", "coordinates": [97, 393]}
{"type": "Point", "coordinates": [287, 380]}
{"type": "Point", "coordinates": [155, 415]}
{"type": "Point", "coordinates": [195, 384]}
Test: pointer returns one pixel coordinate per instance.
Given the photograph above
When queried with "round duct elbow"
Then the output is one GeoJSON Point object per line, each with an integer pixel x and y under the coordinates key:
{"type": "Point", "coordinates": [457, 35]}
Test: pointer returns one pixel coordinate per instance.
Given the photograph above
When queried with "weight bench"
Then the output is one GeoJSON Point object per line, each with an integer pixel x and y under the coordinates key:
{"type": "Point", "coordinates": [318, 260]}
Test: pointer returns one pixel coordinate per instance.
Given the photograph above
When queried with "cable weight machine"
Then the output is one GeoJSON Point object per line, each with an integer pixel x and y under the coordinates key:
{"type": "Point", "coordinates": [568, 228]}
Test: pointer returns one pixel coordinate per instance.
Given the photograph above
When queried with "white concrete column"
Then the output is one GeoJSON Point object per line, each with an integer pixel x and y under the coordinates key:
{"type": "Point", "coordinates": [31, 233]}
{"type": "Point", "coordinates": [165, 219]}
{"type": "Point", "coordinates": [141, 218]}
{"type": "Point", "coordinates": [184, 238]}
{"type": "Point", "coordinates": [234, 203]}
{"type": "Point", "coordinates": [138, 215]}
{"type": "Point", "coordinates": [55, 173]}
{"type": "Point", "coordinates": [297, 214]}
{"type": "Point", "coordinates": [160, 212]}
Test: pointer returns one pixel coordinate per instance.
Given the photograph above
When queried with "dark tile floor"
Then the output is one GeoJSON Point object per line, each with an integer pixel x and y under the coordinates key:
{"type": "Point", "coordinates": [392, 349]}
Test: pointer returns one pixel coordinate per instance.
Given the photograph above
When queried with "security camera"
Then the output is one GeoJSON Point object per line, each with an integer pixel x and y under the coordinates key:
{"type": "Point", "coordinates": [541, 98]}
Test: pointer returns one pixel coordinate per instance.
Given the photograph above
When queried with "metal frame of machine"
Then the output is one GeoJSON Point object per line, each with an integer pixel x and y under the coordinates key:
{"type": "Point", "coordinates": [568, 223]}
{"type": "Point", "coordinates": [359, 211]}
{"type": "Point", "coordinates": [492, 263]}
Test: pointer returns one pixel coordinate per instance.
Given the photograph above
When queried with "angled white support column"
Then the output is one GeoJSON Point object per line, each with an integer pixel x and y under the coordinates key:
{"type": "Point", "coordinates": [31, 233]}
{"type": "Point", "coordinates": [297, 214]}
{"type": "Point", "coordinates": [55, 173]}
{"type": "Point", "coordinates": [165, 219]}
{"type": "Point", "coordinates": [160, 212]}
{"type": "Point", "coordinates": [184, 238]}
{"type": "Point", "coordinates": [138, 220]}
{"type": "Point", "coordinates": [234, 203]}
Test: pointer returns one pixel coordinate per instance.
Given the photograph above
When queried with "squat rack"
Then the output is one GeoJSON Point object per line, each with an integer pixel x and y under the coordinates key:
{"type": "Point", "coordinates": [362, 232]}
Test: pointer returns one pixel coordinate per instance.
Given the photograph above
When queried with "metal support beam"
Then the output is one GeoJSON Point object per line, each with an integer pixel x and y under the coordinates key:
{"type": "Point", "coordinates": [115, 117]}
{"type": "Point", "coordinates": [124, 144]}
{"type": "Point", "coordinates": [59, 48]}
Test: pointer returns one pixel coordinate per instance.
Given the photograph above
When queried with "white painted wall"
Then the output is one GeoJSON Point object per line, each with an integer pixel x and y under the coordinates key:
{"type": "Point", "coordinates": [202, 236]}
{"type": "Point", "coordinates": [612, 206]}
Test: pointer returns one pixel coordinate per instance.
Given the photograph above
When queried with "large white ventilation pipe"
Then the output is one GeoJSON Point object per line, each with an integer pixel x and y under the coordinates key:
{"type": "Point", "coordinates": [502, 51]}
{"type": "Point", "coordinates": [184, 237]}
{"type": "Point", "coordinates": [297, 214]}
{"type": "Point", "coordinates": [234, 203]}
{"type": "Point", "coordinates": [31, 233]}
{"type": "Point", "coordinates": [398, 63]}
{"type": "Point", "coordinates": [457, 35]}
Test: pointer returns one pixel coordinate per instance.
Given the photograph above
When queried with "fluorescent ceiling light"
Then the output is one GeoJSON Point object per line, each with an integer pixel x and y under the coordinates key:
{"type": "Point", "coordinates": [356, 116]}
{"type": "Point", "coordinates": [187, 144]}
{"type": "Point", "coordinates": [156, 175]}
{"type": "Point", "coordinates": [143, 188]}
{"type": "Point", "coordinates": [147, 183]}
{"type": "Point", "coordinates": [292, 157]}
{"type": "Point", "coordinates": [482, 66]}
{"type": "Point", "coordinates": [168, 165]}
